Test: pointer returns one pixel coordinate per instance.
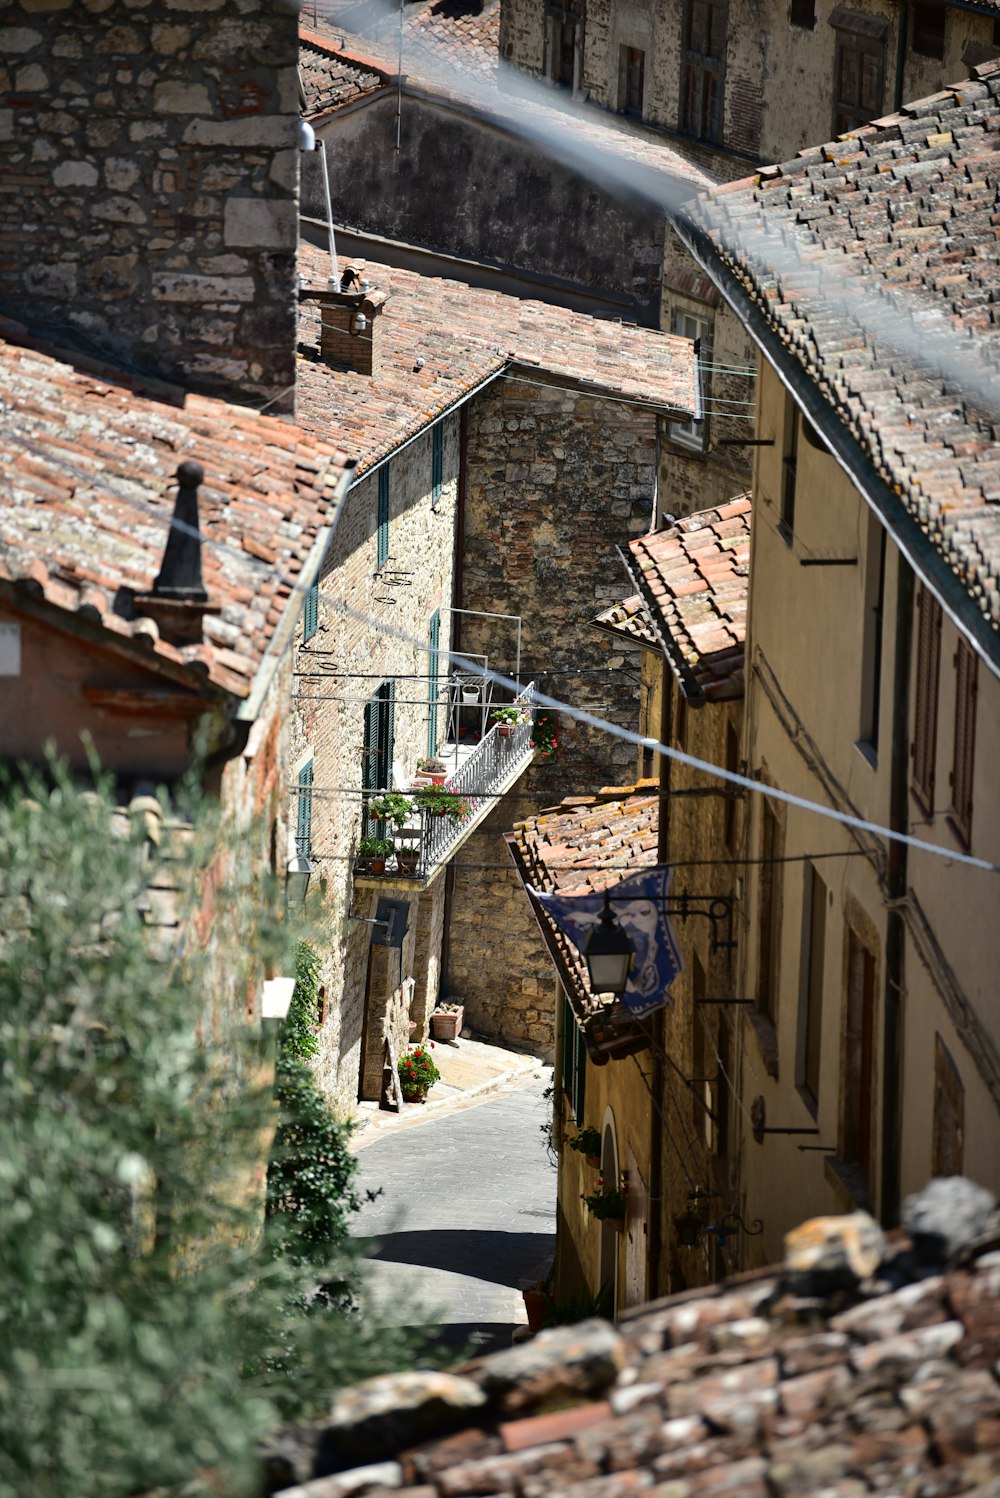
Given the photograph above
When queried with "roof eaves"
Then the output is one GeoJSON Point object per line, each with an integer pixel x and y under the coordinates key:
{"type": "Point", "coordinates": [285, 629]}
{"type": "Point", "coordinates": [686, 678]}
{"type": "Point", "coordinates": [918, 550]}
{"type": "Point", "coordinates": [367, 466]}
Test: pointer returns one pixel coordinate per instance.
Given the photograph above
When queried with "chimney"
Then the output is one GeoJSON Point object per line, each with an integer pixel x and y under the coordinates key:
{"type": "Point", "coordinates": [351, 332]}
{"type": "Point", "coordinates": [178, 600]}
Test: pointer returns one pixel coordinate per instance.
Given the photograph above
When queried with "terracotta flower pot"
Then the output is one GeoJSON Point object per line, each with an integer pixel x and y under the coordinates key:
{"type": "Point", "coordinates": [594, 1161]}
{"type": "Point", "coordinates": [446, 1024]}
{"type": "Point", "coordinates": [505, 730]}
{"type": "Point", "coordinates": [376, 865]}
{"type": "Point", "coordinates": [406, 861]}
{"type": "Point", "coordinates": [414, 1094]}
{"type": "Point", "coordinates": [536, 1303]}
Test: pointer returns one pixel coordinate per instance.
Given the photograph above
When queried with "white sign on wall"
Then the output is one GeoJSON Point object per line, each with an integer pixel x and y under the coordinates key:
{"type": "Point", "coordinates": [10, 650]}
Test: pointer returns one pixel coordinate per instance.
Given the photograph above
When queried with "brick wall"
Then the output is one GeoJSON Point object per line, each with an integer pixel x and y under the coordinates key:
{"type": "Point", "coordinates": [339, 669]}
{"type": "Point", "coordinates": [149, 165]}
{"type": "Point", "coordinates": [555, 482]}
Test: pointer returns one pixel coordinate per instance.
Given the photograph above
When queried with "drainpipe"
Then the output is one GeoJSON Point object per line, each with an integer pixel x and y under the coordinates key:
{"type": "Point", "coordinates": [895, 939]}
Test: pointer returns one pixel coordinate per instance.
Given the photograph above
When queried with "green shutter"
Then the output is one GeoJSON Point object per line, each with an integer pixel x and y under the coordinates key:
{"type": "Point", "coordinates": [303, 821]}
{"type": "Point", "coordinates": [433, 660]}
{"type": "Point", "coordinates": [383, 515]}
{"type": "Point", "coordinates": [310, 613]}
{"type": "Point", "coordinates": [437, 463]}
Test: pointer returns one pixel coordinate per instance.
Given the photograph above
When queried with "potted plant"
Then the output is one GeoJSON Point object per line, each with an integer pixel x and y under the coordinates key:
{"type": "Point", "coordinates": [436, 801]}
{"type": "Point", "coordinates": [391, 806]}
{"type": "Point", "coordinates": [588, 1143]}
{"type": "Point", "coordinates": [607, 1203]}
{"type": "Point", "coordinates": [417, 1073]}
{"type": "Point", "coordinates": [446, 1020]}
{"type": "Point", "coordinates": [507, 719]}
{"type": "Point", "coordinates": [374, 851]}
{"type": "Point", "coordinates": [407, 857]}
{"type": "Point", "coordinates": [436, 769]}
{"type": "Point", "coordinates": [543, 735]}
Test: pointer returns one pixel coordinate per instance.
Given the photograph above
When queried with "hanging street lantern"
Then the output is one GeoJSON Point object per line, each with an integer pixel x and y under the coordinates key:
{"type": "Point", "coordinates": [609, 954]}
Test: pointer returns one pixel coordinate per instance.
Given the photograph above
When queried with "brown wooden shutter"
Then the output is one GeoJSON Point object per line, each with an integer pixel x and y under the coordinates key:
{"type": "Point", "coordinates": [925, 713]}
{"type": "Point", "coordinates": [965, 739]}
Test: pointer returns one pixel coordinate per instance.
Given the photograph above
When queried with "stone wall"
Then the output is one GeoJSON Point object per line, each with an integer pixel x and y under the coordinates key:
{"type": "Point", "coordinates": [556, 481]}
{"type": "Point", "coordinates": [338, 670]}
{"type": "Point", "coordinates": [487, 186]}
{"type": "Point", "coordinates": [149, 165]}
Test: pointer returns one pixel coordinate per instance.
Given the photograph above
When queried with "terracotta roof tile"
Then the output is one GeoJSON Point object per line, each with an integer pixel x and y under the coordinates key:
{"type": "Point", "coordinates": [693, 579]}
{"type": "Point", "coordinates": [329, 80]}
{"type": "Point", "coordinates": [88, 458]}
{"type": "Point", "coordinates": [465, 337]}
{"type": "Point", "coordinates": [909, 204]}
{"type": "Point", "coordinates": [465, 33]}
{"type": "Point", "coordinates": [630, 620]}
{"type": "Point", "coordinates": [774, 1384]}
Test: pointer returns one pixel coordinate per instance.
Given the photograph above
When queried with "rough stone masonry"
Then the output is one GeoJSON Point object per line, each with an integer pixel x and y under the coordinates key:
{"type": "Point", "coordinates": [149, 168]}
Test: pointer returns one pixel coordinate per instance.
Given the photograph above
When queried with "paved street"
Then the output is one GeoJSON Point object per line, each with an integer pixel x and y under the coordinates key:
{"type": "Point", "coordinates": [466, 1216]}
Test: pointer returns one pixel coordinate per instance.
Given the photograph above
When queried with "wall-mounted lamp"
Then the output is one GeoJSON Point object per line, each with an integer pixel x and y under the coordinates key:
{"type": "Point", "coordinates": [690, 1228]}
{"type": "Point", "coordinates": [609, 954]}
{"type": "Point", "coordinates": [298, 873]}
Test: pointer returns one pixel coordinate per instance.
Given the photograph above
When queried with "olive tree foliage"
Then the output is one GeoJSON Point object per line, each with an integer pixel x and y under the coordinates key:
{"type": "Point", "coordinates": [148, 1334]}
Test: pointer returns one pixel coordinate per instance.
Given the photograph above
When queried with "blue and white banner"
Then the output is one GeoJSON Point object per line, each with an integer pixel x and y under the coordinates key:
{"type": "Point", "coordinates": [639, 905]}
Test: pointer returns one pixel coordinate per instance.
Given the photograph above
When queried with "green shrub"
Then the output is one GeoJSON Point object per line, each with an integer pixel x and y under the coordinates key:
{"type": "Point", "coordinates": [149, 1336]}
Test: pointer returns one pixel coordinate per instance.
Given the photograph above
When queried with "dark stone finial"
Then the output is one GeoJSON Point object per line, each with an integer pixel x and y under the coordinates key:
{"type": "Point", "coordinates": [180, 576]}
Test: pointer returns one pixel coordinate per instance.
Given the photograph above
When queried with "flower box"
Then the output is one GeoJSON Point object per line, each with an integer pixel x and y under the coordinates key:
{"type": "Point", "coordinates": [446, 1024]}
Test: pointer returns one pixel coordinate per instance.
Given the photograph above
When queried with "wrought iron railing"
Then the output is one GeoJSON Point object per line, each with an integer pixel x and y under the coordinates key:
{"type": "Point", "coordinates": [490, 765]}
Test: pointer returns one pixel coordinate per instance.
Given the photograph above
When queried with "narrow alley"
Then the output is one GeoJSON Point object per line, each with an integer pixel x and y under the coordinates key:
{"type": "Point", "coordinates": [467, 1211]}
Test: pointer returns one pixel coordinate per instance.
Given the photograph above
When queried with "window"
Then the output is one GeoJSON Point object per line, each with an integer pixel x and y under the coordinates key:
{"type": "Point", "coordinates": [574, 1062]}
{"type": "Point", "coordinates": [631, 74]}
{"type": "Point", "coordinates": [928, 29]}
{"type": "Point", "coordinates": [304, 812]}
{"type": "Point", "coordinates": [433, 665]}
{"type": "Point", "coordinates": [811, 989]}
{"type": "Point", "coordinates": [702, 69]}
{"type": "Point", "coordinates": [925, 713]}
{"type": "Point", "coordinates": [871, 656]}
{"type": "Point", "coordinates": [383, 515]}
{"type": "Point", "coordinates": [690, 325]}
{"type": "Point", "coordinates": [789, 468]}
{"type": "Point", "coordinates": [437, 464]}
{"type": "Point", "coordinates": [376, 754]}
{"type": "Point", "coordinates": [803, 13]}
{"type": "Point", "coordinates": [565, 32]}
{"type": "Point", "coordinates": [310, 613]}
{"type": "Point", "coordinates": [859, 80]}
{"type": "Point", "coordinates": [859, 1059]}
{"type": "Point", "coordinates": [949, 1114]}
{"type": "Point", "coordinates": [963, 758]}
{"type": "Point", "coordinates": [769, 916]}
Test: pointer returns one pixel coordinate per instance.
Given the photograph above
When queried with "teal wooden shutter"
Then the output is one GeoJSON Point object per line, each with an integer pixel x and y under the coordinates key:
{"type": "Point", "coordinates": [437, 464]}
{"type": "Point", "coordinates": [433, 662]}
{"type": "Point", "coordinates": [310, 613]}
{"type": "Point", "coordinates": [383, 515]}
{"type": "Point", "coordinates": [377, 749]}
{"type": "Point", "coordinates": [303, 820]}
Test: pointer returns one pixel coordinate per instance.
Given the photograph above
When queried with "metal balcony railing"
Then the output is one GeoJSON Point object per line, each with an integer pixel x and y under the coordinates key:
{"type": "Point", "coordinates": [494, 763]}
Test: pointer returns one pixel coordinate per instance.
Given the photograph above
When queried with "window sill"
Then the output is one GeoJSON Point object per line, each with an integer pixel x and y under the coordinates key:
{"type": "Point", "coordinates": [848, 1182]}
{"type": "Point", "coordinates": [868, 753]}
{"type": "Point", "coordinates": [767, 1040]}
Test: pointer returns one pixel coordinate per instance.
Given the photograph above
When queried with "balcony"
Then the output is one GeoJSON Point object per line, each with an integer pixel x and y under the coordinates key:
{"type": "Point", "coordinates": [481, 774]}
